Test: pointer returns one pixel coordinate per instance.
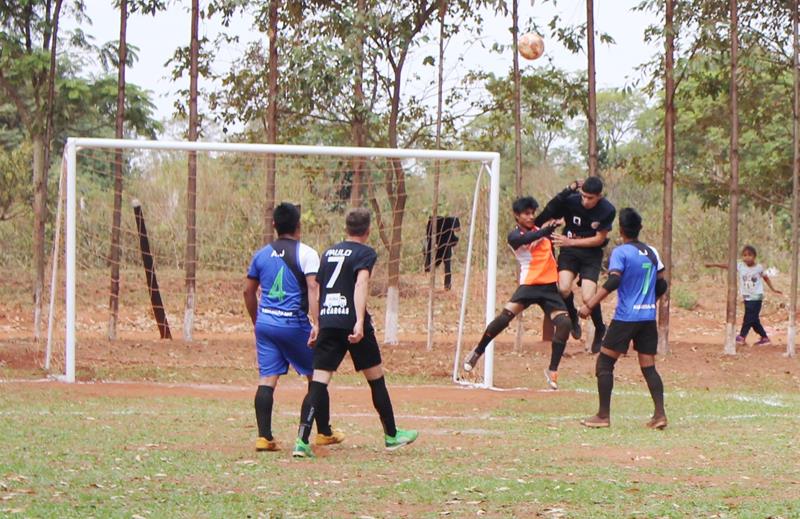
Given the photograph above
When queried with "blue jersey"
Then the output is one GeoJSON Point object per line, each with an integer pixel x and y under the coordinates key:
{"type": "Point", "coordinates": [638, 265]}
{"type": "Point", "coordinates": [281, 269]}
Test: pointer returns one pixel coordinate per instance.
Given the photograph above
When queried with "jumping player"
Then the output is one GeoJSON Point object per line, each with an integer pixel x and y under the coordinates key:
{"type": "Point", "coordinates": [588, 217]}
{"type": "Point", "coordinates": [345, 325]}
{"type": "Point", "coordinates": [537, 285]}
{"type": "Point", "coordinates": [636, 271]}
{"type": "Point", "coordinates": [286, 271]}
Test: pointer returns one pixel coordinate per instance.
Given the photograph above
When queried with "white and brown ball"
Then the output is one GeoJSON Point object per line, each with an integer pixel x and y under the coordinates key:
{"type": "Point", "coordinates": [530, 45]}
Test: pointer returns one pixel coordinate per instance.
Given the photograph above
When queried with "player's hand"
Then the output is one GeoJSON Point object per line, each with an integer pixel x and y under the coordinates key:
{"type": "Point", "coordinates": [312, 337]}
{"type": "Point", "coordinates": [561, 240]}
{"type": "Point", "coordinates": [575, 185]}
{"type": "Point", "coordinates": [357, 335]}
{"type": "Point", "coordinates": [584, 311]}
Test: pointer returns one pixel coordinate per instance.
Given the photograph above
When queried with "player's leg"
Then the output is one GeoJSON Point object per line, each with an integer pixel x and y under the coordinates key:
{"type": "Point", "coordinates": [615, 343]}
{"type": "Point", "coordinates": [271, 365]}
{"type": "Point", "coordinates": [493, 329]}
{"type": "Point", "coordinates": [567, 270]}
{"type": "Point", "coordinates": [366, 357]}
{"type": "Point", "coordinates": [645, 342]}
{"type": "Point", "coordinates": [591, 263]}
{"type": "Point", "coordinates": [562, 325]}
{"type": "Point", "coordinates": [756, 322]}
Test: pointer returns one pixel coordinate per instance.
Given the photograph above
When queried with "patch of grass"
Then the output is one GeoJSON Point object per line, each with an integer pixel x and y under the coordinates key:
{"type": "Point", "coordinates": [192, 457]}
{"type": "Point", "coordinates": [684, 298]}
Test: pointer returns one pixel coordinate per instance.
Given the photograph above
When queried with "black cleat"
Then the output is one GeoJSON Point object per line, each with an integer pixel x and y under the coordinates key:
{"type": "Point", "coordinates": [597, 341]}
{"type": "Point", "coordinates": [471, 360]}
{"type": "Point", "coordinates": [576, 329]}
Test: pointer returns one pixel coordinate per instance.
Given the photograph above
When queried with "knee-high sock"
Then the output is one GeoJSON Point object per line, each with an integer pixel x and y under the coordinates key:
{"type": "Point", "coordinates": [263, 405]}
{"type": "Point", "coordinates": [494, 328]}
{"type": "Point", "coordinates": [656, 387]}
{"type": "Point", "coordinates": [310, 405]}
{"type": "Point", "coordinates": [383, 404]}
{"type": "Point", "coordinates": [322, 414]}
{"type": "Point", "coordinates": [605, 383]}
{"type": "Point", "coordinates": [559, 344]}
{"type": "Point", "coordinates": [556, 352]}
{"type": "Point", "coordinates": [597, 319]}
{"type": "Point", "coordinates": [571, 310]}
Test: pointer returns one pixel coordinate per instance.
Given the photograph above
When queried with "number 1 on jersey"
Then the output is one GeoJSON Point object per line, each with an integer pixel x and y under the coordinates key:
{"type": "Point", "coordinates": [339, 260]}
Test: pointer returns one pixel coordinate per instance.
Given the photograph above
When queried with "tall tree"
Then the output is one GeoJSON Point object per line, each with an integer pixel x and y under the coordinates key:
{"type": "Point", "coordinates": [790, 343]}
{"type": "Point", "coordinates": [359, 106]}
{"type": "Point", "coordinates": [592, 97]}
{"type": "Point", "coordinates": [191, 185]}
{"type": "Point", "coordinates": [272, 116]}
{"type": "Point", "coordinates": [733, 221]}
{"type": "Point", "coordinates": [669, 172]}
{"type": "Point", "coordinates": [27, 75]}
{"type": "Point", "coordinates": [116, 222]}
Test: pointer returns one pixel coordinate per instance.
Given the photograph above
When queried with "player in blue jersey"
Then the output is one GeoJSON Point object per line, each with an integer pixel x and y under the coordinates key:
{"type": "Point", "coordinates": [346, 326]}
{"type": "Point", "coordinates": [636, 272]}
{"type": "Point", "coordinates": [286, 271]}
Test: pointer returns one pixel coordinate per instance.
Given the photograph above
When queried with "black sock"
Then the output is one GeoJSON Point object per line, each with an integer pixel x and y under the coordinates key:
{"type": "Point", "coordinates": [494, 328]}
{"type": "Point", "coordinates": [597, 320]}
{"type": "Point", "coordinates": [263, 405]}
{"type": "Point", "coordinates": [322, 416]}
{"type": "Point", "coordinates": [656, 387]}
{"type": "Point", "coordinates": [571, 310]}
{"type": "Point", "coordinates": [556, 352]}
{"type": "Point", "coordinates": [605, 383]}
{"type": "Point", "coordinates": [310, 405]}
{"type": "Point", "coordinates": [383, 404]}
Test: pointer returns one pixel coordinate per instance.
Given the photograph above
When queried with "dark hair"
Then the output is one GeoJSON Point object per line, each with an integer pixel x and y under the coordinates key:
{"type": "Point", "coordinates": [357, 221]}
{"type": "Point", "coordinates": [592, 185]}
{"type": "Point", "coordinates": [524, 203]}
{"type": "Point", "coordinates": [630, 222]}
{"type": "Point", "coordinates": [286, 218]}
{"type": "Point", "coordinates": [749, 248]}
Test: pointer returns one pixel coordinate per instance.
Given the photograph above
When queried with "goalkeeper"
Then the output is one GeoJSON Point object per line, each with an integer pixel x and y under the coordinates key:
{"type": "Point", "coordinates": [537, 285]}
{"type": "Point", "coordinates": [636, 272]}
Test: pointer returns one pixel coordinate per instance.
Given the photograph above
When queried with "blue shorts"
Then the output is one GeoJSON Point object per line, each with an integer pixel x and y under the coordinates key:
{"type": "Point", "coordinates": [277, 346]}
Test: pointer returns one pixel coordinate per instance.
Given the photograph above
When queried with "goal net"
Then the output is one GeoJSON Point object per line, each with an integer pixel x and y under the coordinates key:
{"type": "Point", "coordinates": [181, 271]}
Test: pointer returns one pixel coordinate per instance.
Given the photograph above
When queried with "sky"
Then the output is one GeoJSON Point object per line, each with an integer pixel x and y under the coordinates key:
{"type": "Point", "coordinates": [158, 37]}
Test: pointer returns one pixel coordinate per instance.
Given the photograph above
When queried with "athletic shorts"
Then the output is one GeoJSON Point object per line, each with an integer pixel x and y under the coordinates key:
{"type": "Point", "coordinates": [581, 260]}
{"type": "Point", "coordinates": [644, 335]}
{"type": "Point", "coordinates": [279, 346]}
{"type": "Point", "coordinates": [546, 296]}
{"type": "Point", "coordinates": [332, 345]}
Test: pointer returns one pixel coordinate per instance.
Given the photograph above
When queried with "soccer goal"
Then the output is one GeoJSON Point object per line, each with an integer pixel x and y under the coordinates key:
{"type": "Point", "coordinates": [151, 251]}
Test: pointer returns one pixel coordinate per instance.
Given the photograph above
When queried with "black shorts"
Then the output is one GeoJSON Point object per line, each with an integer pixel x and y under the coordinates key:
{"type": "Point", "coordinates": [332, 345]}
{"type": "Point", "coordinates": [581, 260]}
{"type": "Point", "coordinates": [546, 296]}
{"type": "Point", "coordinates": [644, 335]}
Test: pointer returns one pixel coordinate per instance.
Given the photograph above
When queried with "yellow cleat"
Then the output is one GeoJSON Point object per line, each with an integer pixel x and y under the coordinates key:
{"type": "Point", "coordinates": [263, 444]}
{"type": "Point", "coordinates": [335, 437]}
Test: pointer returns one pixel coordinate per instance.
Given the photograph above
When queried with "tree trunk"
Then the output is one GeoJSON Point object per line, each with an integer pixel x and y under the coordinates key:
{"type": "Point", "coordinates": [191, 184]}
{"type": "Point", "coordinates": [272, 118]}
{"type": "Point", "coordinates": [592, 115]}
{"type": "Point", "coordinates": [669, 170]}
{"type": "Point", "coordinates": [792, 332]}
{"type": "Point", "coordinates": [39, 216]}
{"type": "Point", "coordinates": [436, 172]}
{"type": "Point", "coordinates": [116, 221]}
{"type": "Point", "coordinates": [358, 107]}
{"type": "Point", "coordinates": [733, 222]}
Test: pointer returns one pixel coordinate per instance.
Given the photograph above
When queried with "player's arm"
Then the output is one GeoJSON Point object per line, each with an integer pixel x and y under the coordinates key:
{"type": "Point", "coordinates": [517, 240]}
{"type": "Point", "coordinates": [611, 284]}
{"type": "Point", "coordinates": [769, 283]}
{"type": "Point", "coordinates": [553, 208]}
{"type": "Point", "coordinates": [313, 307]}
{"type": "Point", "coordinates": [717, 265]}
{"type": "Point", "coordinates": [591, 241]}
{"type": "Point", "coordinates": [251, 298]}
{"type": "Point", "coordinates": [360, 300]}
{"type": "Point", "coordinates": [661, 284]}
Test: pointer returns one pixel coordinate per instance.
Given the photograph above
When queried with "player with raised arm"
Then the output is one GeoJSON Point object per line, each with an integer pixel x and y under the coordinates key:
{"type": "Point", "coordinates": [346, 326]}
{"type": "Point", "coordinates": [636, 272]}
{"type": "Point", "coordinates": [537, 285]}
{"type": "Point", "coordinates": [286, 271]}
{"type": "Point", "coordinates": [588, 217]}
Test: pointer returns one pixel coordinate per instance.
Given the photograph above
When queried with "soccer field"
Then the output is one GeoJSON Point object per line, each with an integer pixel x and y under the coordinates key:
{"type": "Point", "coordinates": [176, 439]}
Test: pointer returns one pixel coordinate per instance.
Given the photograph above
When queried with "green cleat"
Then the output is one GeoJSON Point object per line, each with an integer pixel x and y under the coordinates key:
{"type": "Point", "coordinates": [400, 439]}
{"type": "Point", "coordinates": [302, 449]}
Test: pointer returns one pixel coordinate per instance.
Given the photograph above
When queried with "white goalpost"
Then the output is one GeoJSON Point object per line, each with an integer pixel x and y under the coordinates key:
{"type": "Point", "coordinates": [320, 179]}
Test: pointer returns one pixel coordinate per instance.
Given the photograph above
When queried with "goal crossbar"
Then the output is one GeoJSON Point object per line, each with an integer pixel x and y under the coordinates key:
{"type": "Point", "coordinates": [490, 161]}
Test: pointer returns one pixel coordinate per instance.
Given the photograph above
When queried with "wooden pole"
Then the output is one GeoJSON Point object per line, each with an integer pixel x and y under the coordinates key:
{"type": "Point", "coordinates": [150, 273]}
{"type": "Point", "coordinates": [792, 332]}
{"type": "Point", "coordinates": [733, 220]}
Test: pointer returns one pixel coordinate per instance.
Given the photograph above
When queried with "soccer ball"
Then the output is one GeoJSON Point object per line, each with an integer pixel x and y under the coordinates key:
{"type": "Point", "coordinates": [530, 45]}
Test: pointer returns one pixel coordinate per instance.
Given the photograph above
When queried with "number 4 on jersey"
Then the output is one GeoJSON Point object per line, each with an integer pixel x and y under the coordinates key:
{"type": "Point", "coordinates": [276, 290]}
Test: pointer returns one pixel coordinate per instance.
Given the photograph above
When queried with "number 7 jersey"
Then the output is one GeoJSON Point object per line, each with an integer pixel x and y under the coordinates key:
{"type": "Point", "coordinates": [638, 266]}
{"type": "Point", "coordinates": [338, 271]}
